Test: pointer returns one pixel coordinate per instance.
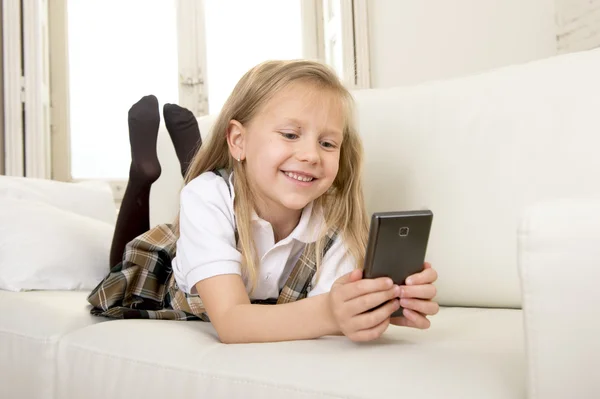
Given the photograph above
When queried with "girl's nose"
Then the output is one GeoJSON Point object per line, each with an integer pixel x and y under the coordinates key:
{"type": "Point", "coordinates": [308, 151]}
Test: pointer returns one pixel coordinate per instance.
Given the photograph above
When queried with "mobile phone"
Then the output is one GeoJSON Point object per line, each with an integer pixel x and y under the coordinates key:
{"type": "Point", "coordinates": [397, 245]}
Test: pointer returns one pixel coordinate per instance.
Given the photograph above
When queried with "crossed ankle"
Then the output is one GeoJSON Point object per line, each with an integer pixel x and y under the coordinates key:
{"type": "Point", "coordinates": [184, 132]}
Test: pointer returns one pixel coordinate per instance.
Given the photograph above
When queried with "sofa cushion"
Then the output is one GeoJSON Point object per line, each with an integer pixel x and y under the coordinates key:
{"type": "Point", "coordinates": [31, 324]}
{"type": "Point", "coordinates": [92, 199]}
{"type": "Point", "coordinates": [44, 247]}
{"type": "Point", "coordinates": [468, 353]}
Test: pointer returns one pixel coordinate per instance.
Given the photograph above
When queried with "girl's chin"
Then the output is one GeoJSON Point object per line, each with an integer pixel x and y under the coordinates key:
{"type": "Point", "coordinates": [295, 204]}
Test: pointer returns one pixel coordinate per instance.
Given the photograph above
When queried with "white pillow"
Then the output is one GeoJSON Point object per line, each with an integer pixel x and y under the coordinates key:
{"type": "Point", "coordinates": [90, 198]}
{"type": "Point", "coordinates": [43, 247]}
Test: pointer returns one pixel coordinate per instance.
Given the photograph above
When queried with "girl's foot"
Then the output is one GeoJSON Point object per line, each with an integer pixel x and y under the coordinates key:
{"type": "Point", "coordinates": [183, 129]}
{"type": "Point", "coordinates": [144, 119]}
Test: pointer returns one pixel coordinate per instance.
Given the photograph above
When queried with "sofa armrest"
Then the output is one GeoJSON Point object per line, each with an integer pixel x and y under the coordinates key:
{"type": "Point", "coordinates": [559, 266]}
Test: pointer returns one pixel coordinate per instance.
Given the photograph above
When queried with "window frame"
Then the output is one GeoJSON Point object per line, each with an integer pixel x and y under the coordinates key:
{"type": "Point", "coordinates": [13, 95]}
{"type": "Point", "coordinates": [352, 28]}
{"type": "Point", "coordinates": [26, 102]}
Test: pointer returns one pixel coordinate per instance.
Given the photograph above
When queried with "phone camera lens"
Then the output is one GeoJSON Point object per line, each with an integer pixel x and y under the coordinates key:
{"type": "Point", "coordinates": [403, 231]}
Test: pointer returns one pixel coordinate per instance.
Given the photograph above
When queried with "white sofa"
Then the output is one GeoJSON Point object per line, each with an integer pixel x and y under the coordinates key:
{"type": "Point", "coordinates": [508, 162]}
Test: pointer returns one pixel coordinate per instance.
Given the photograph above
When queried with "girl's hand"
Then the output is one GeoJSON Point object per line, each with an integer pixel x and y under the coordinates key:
{"type": "Point", "coordinates": [417, 299]}
{"type": "Point", "coordinates": [351, 298]}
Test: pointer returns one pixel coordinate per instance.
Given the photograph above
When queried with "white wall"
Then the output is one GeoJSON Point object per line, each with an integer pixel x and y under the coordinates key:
{"type": "Point", "coordinates": [578, 25]}
{"type": "Point", "coordinates": [417, 40]}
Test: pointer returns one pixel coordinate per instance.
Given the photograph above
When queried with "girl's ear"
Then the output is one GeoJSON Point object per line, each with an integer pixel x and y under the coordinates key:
{"type": "Point", "coordinates": [236, 134]}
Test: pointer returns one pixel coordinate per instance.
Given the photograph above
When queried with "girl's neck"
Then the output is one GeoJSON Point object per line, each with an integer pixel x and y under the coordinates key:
{"type": "Point", "coordinates": [283, 221]}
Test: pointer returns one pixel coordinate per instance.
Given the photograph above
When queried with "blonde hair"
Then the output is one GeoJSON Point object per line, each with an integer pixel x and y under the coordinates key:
{"type": "Point", "coordinates": [342, 205]}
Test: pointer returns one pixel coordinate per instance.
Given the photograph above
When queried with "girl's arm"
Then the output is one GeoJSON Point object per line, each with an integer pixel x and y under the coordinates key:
{"type": "Point", "coordinates": [343, 310]}
{"type": "Point", "coordinates": [238, 321]}
{"type": "Point", "coordinates": [207, 259]}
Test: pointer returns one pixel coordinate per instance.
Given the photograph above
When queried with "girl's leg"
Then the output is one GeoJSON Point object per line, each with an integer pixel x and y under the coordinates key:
{"type": "Point", "coordinates": [183, 129]}
{"type": "Point", "coordinates": [134, 214]}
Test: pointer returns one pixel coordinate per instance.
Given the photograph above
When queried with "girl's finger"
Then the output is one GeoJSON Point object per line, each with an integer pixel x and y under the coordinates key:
{"type": "Point", "coordinates": [365, 286]}
{"type": "Point", "coordinates": [372, 318]}
{"type": "Point", "coordinates": [371, 333]}
{"type": "Point", "coordinates": [427, 291]}
{"type": "Point", "coordinates": [427, 276]}
{"type": "Point", "coordinates": [418, 305]}
{"type": "Point", "coordinates": [416, 319]}
{"type": "Point", "coordinates": [402, 322]}
{"type": "Point", "coordinates": [367, 302]}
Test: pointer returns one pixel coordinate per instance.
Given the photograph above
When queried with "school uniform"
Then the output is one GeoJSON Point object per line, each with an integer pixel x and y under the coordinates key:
{"type": "Point", "coordinates": [159, 271]}
{"type": "Point", "coordinates": [207, 245]}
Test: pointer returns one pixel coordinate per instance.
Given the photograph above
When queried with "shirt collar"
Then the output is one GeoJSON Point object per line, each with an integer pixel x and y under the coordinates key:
{"type": "Point", "coordinates": [308, 228]}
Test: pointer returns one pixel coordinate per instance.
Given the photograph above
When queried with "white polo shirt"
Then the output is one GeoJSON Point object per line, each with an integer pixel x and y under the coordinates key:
{"type": "Point", "coordinates": [207, 246]}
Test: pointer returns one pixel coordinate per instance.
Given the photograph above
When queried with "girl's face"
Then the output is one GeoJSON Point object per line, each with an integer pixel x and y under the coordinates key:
{"type": "Point", "coordinates": [291, 147]}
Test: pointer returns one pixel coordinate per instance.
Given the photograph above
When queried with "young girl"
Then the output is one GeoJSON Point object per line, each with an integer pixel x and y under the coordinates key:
{"type": "Point", "coordinates": [272, 229]}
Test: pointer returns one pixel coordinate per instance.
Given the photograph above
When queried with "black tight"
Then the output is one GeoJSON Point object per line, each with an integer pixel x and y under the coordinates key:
{"type": "Point", "coordinates": [144, 121]}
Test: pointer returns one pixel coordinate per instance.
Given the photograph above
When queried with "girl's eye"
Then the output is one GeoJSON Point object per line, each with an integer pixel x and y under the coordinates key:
{"type": "Point", "coordinates": [289, 136]}
{"type": "Point", "coordinates": [328, 145]}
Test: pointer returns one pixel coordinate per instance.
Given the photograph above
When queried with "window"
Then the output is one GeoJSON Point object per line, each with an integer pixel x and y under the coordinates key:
{"type": "Point", "coordinates": [190, 52]}
{"type": "Point", "coordinates": [111, 69]}
{"type": "Point", "coordinates": [258, 30]}
{"type": "Point", "coordinates": [111, 66]}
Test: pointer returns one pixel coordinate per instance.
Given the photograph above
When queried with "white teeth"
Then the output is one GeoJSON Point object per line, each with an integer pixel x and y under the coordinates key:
{"type": "Point", "coordinates": [297, 177]}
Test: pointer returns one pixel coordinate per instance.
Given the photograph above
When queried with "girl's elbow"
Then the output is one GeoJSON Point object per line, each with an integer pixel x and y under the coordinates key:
{"type": "Point", "coordinates": [227, 333]}
{"type": "Point", "coordinates": [230, 325]}
{"type": "Point", "coordinates": [227, 338]}
{"type": "Point", "coordinates": [223, 333]}
{"type": "Point", "coordinates": [235, 335]}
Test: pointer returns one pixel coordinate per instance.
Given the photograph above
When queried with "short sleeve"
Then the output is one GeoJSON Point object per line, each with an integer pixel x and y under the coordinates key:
{"type": "Point", "coordinates": [206, 246]}
{"type": "Point", "coordinates": [337, 262]}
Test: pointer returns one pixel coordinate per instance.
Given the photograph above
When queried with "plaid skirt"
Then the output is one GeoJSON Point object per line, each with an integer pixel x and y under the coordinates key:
{"type": "Point", "coordinates": [143, 286]}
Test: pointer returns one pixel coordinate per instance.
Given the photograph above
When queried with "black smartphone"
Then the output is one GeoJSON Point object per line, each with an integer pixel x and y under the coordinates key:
{"type": "Point", "coordinates": [397, 245]}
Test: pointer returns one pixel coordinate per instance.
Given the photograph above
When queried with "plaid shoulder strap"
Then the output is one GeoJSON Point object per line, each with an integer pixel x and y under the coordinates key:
{"type": "Point", "coordinates": [224, 173]}
{"type": "Point", "coordinates": [298, 284]}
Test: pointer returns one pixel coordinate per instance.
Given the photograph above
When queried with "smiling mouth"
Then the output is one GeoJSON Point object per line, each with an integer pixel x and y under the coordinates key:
{"type": "Point", "coordinates": [299, 177]}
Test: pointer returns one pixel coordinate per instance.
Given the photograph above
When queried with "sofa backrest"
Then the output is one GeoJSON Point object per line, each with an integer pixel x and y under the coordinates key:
{"type": "Point", "coordinates": [477, 151]}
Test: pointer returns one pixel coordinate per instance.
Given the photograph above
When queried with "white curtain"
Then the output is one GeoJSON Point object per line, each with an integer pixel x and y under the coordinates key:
{"type": "Point", "coordinates": [26, 105]}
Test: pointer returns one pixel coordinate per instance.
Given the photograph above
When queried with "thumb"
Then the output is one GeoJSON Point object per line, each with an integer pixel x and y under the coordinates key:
{"type": "Point", "coordinates": [351, 277]}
